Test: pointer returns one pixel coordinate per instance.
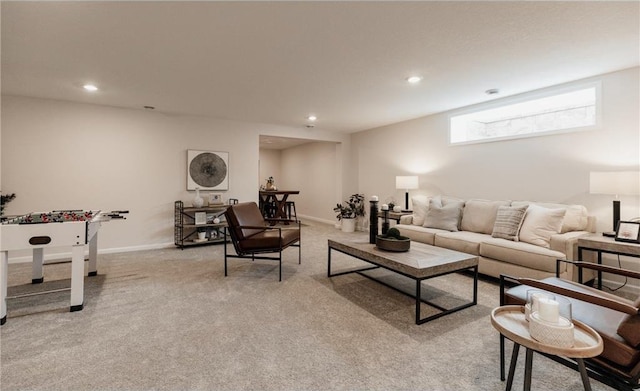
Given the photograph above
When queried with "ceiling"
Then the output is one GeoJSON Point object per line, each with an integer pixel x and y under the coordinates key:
{"type": "Point", "coordinates": [278, 62]}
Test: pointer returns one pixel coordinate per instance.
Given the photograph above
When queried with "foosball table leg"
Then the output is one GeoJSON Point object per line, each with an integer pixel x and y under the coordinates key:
{"type": "Point", "coordinates": [37, 273]}
{"type": "Point", "coordinates": [93, 256]}
{"type": "Point", "coordinates": [77, 278]}
{"type": "Point", "coordinates": [4, 268]}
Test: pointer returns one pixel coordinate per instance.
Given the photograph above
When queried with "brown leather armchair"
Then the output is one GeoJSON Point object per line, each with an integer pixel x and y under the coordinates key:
{"type": "Point", "coordinates": [251, 235]}
{"type": "Point", "coordinates": [616, 319]}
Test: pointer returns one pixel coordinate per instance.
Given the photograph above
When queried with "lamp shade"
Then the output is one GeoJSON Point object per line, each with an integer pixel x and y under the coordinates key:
{"type": "Point", "coordinates": [406, 182]}
{"type": "Point", "coordinates": [615, 182]}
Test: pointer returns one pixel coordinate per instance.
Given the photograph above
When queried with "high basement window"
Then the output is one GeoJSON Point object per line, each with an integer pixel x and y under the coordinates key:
{"type": "Point", "coordinates": [562, 111]}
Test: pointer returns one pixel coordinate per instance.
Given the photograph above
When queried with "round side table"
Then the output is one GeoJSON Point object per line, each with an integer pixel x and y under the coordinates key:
{"type": "Point", "coordinates": [510, 322]}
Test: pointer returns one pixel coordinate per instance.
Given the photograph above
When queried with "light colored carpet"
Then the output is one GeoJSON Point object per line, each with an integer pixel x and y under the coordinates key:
{"type": "Point", "coordinates": [170, 320]}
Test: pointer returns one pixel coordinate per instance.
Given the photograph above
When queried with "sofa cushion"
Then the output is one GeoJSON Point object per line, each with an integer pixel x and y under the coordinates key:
{"type": "Point", "coordinates": [508, 222]}
{"type": "Point", "coordinates": [419, 234]}
{"type": "Point", "coordinates": [420, 205]}
{"type": "Point", "coordinates": [445, 217]}
{"type": "Point", "coordinates": [463, 241]}
{"type": "Point", "coordinates": [576, 218]}
{"type": "Point", "coordinates": [480, 215]}
{"type": "Point", "coordinates": [522, 254]}
{"type": "Point", "coordinates": [539, 224]}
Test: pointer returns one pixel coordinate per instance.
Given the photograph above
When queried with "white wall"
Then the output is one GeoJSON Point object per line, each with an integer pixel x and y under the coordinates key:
{"type": "Point", "coordinates": [548, 168]}
{"type": "Point", "coordinates": [59, 155]}
{"type": "Point", "coordinates": [312, 168]}
{"type": "Point", "coordinates": [270, 162]}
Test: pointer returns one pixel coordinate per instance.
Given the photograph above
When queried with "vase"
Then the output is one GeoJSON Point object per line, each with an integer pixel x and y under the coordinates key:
{"type": "Point", "coordinates": [197, 200]}
{"type": "Point", "coordinates": [348, 225]}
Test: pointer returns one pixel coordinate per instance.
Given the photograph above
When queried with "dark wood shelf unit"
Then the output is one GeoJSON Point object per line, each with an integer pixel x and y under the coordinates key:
{"type": "Point", "coordinates": [186, 230]}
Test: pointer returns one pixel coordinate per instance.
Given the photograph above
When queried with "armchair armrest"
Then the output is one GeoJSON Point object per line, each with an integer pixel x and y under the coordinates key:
{"type": "Point", "coordinates": [620, 305]}
{"type": "Point", "coordinates": [605, 268]}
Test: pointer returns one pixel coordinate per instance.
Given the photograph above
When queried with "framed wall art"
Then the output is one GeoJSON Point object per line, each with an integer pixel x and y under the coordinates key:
{"type": "Point", "coordinates": [207, 170]}
{"type": "Point", "coordinates": [628, 231]}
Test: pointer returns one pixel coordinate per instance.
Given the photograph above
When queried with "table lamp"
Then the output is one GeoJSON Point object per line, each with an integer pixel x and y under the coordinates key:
{"type": "Point", "coordinates": [615, 183]}
{"type": "Point", "coordinates": [407, 183]}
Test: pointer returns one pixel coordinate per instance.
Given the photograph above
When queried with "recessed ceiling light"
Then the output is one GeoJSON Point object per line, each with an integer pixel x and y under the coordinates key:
{"type": "Point", "coordinates": [312, 118]}
{"type": "Point", "coordinates": [492, 91]}
{"type": "Point", "coordinates": [90, 87]}
{"type": "Point", "coordinates": [414, 79]}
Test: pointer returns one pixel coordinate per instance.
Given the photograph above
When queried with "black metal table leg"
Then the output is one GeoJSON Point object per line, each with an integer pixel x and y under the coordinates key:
{"type": "Point", "coordinates": [512, 366]}
{"type": "Point", "coordinates": [418, 299]}
{"type": "Point", "coordinates": [583, 374]}
{"type": "Point", "coordinates": [528, 363]}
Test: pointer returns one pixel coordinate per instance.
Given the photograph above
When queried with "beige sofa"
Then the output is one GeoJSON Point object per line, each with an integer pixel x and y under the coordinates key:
{"type": "Point", "coordinates": [517, 238]}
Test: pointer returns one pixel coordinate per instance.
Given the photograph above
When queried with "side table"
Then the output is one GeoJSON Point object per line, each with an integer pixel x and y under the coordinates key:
{"type": "Point", "coordinates": [510, 322]}
{"type": "Point", "coordinates": [603, 244]}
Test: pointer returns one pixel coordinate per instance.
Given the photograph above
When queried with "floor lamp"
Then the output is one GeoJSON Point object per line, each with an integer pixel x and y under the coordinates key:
{"type": "Point", "coordinates": [407, 183]}
{"type": "Point", "coordinates": [615, 183]}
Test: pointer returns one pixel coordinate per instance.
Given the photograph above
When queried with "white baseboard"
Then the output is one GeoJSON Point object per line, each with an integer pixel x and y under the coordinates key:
{"type": "Point", "coordinates": [57, 257]}
{"type": "Point", "coordinates": [316, 219]}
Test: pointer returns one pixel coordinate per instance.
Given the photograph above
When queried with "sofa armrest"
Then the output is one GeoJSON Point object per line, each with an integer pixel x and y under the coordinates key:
{"type": "Point", "coordinates": [406, 219]}
{"type": "Point", "coordinates": [567, 243]}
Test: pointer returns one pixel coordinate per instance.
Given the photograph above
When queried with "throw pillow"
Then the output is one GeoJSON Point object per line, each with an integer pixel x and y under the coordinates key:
{"type": "Point", "coordinates": [480, 215]}
{"type": "Point", "coordinates": [508, 222]}
{"type": "Point", "coordinates": [444, 217]}
{"type": "Point", "coordinates": [576, 218]}
{"type": "Point", "coordinates": [420, 205]}
{"type": "Point", "coordinates": [540, 224]}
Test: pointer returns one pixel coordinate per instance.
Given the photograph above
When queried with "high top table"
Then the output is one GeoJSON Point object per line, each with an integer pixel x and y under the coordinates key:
{"type": "Point", "coordinates": [279, 199]}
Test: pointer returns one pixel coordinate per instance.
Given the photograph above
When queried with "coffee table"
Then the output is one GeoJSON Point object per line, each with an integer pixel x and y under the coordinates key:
{"type": "Point", "coordinates": [420, 263]}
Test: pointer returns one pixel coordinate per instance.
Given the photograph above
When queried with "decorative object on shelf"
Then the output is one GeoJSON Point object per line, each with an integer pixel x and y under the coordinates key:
{"type": "Point", "coordinates": [200, 218]}
{"type": "Point", "coordinates": [4, 200]}
{"type": "Point", "coordinates": [215, 199]}
{"type": "Point", "coordinates": [407, 183]}
{"type": "Point", "coordinates": [393, 241]}
{"type": "Point", "coordinates": [197, 200]}
{"type": "Point", "coordinates": [628, 231]}
{"type": "Point", "coordinates": [202, 234]}
{"type": "Point", "coordinates": [207, 170]}
{"type": "Point", "coordinates": [615, 183]}
{"type": "Point", "coordinates": [271, 184]}
{"type": "Point", "coordinates": [397, 209]}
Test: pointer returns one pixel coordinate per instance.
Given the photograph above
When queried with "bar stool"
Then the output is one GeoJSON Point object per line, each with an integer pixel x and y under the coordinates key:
{"type": "Point", "coordinates": [291, 206]}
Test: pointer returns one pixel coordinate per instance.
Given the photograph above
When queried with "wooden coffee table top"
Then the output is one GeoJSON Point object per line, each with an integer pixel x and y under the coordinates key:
{"type": "Point", "coordinates": [509, 320]}
{"type": "Point", "coordinates": [421, 261]}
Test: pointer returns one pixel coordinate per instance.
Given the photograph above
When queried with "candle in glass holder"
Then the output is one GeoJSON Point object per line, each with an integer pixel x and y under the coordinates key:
{"type": "Point", "coordinates": [374, 198]}
{"type": "Point", "coordinates": [548, 310]}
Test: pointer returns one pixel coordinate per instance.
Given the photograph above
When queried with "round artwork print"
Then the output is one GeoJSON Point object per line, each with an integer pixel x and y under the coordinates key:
{"type": "Point", "coordinates": [208, 169]}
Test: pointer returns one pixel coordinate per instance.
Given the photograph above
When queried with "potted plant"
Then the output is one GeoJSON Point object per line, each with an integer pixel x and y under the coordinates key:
{"type": "Point", "coordinates": [349, 210]}
{"type": "Point", "coordinates": [4, 200]}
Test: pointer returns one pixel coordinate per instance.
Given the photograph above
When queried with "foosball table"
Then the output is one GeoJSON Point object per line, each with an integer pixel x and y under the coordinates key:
{"type": "Point", "coordinates": [65, 228]}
